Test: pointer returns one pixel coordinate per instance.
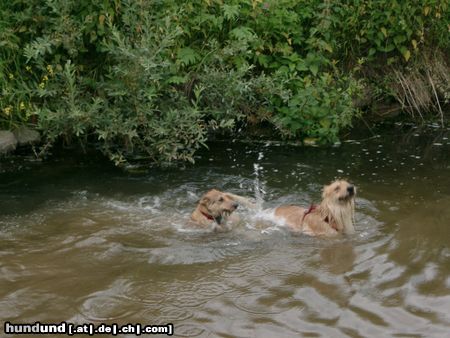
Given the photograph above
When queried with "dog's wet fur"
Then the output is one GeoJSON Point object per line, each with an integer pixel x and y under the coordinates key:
{"type": "Point", "coordinates": [334, 215]}
{"type": "Point", "coordinates": [215, 208]}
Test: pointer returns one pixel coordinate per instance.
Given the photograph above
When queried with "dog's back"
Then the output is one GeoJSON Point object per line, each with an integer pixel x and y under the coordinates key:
{"type": "Point", "coordinates": [332, 216]}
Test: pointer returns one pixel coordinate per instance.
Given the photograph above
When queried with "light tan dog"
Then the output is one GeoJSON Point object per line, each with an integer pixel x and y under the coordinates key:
{"type": "Point", "coordinates": [332, 216]}
{"type": "Point", "coordinates": [215, 208]}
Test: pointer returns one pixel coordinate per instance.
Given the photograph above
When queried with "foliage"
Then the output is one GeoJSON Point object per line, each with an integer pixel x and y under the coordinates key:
{"type": "Point", "coordinates": [156, 78]}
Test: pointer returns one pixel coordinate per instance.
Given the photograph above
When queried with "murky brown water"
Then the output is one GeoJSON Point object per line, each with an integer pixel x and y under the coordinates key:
{"type": "Point", "coordinates": [85, 242]}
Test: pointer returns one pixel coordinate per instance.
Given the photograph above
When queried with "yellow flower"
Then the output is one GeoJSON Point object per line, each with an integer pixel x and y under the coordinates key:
{"type": "Point", "coordinates": [42, 85]}
{"type": "Point", "coordinates": [11, 76]}
{"type": "Point", "coordinates": [50, 69]}
{"type": "Point", "coordinates": [28, 68]}
{"type": "Point", "coordinates": [7, 110]}
{"type": "Point", "coordinates": [22, 106]}
{"type": "Point", "coordinates": [45, 78]}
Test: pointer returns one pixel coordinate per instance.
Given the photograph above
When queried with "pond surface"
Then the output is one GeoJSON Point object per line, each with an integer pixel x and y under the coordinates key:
{"type": "Point", "coordinates": [82, 241]}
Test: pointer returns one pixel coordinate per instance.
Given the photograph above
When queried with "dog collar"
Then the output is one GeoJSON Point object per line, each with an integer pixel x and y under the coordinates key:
{"type": "Point", "coordinates": [207, 216]}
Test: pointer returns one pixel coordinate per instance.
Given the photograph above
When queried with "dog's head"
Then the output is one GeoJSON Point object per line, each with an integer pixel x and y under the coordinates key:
{"type": "Point", "coordinates": [339, 192]}
{"type": "Point", "coordinates": [338, 205]}
{"type": "Point", "coordinates": [217, 204]}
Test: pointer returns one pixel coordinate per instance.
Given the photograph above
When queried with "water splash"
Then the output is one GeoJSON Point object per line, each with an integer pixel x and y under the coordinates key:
{"type": "Point", "coordinates": [259, 185]}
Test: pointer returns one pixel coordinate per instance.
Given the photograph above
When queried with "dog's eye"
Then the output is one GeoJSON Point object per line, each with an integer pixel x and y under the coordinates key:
{"type": "Point", "coordinates": [221, 199]}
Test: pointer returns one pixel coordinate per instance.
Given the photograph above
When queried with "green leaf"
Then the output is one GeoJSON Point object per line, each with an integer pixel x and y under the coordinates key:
{"type": "Point", "coordinates": [389, 48]}
{"type": "Point", "coordinates": [325, 123]}
{"type": "Point", "coordinates": [230, 12]}
{"type": "Point", "coordinates": [327, 47]}
{"type": "Point", "coordinates": [398, 39]}
{"type": "Point", "coordinates": [187, 56]}
{"type": "Point", "coordinates": [243, 33]}
{"type": "Point", "coordinates": [227, 124]}
{"type": "Point", "coordinates": [301, 66]}
{"type": "Point", "coordinates": [263, 60]}
{"type": "Point", "coordinates": [177, 79]}
{"type": "Point", "coordinates": [406, 54]}
{"type": "Point", "coordinates": [314, 68]}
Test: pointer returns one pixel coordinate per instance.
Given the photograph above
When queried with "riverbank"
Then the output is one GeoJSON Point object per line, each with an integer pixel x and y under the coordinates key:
{"type": "Point", "coordinates": [24, 157]}
{"type": "Point", "coordinates": [159, 79]}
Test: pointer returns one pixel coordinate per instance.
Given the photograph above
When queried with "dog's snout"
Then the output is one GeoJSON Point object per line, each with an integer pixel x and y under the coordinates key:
{"type": "Point", "coordinates": [351, 189]}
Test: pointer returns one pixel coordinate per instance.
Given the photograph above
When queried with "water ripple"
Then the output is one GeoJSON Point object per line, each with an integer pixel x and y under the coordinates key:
{"type": "Point", "coordinates": [108, 304]}
{"type": "Point", "coordinates": [189, 330]}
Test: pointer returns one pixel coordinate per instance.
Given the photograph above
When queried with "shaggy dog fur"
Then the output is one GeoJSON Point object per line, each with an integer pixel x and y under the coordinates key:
{"type": "Point", "coordinates": [215, 208]}
{"type": "Point", "coordinates": [332, 216]}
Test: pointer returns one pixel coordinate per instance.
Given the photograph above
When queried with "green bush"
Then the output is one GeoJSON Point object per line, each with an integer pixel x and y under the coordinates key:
{"type": "Point", "coordinates": [154, 79]}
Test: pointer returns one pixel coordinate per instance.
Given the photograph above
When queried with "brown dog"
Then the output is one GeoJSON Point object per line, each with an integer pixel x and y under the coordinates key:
{"type": "Point", "coordinates": [332, 216]}
{"type": "Point", "coordinates": [215, 208]}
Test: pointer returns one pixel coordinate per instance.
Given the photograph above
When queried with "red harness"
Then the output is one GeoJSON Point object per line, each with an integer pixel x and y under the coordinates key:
{"type": "Point", "coordinates": [313, 207]}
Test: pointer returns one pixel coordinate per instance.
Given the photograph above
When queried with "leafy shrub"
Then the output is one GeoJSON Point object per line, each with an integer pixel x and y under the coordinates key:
{"type": "Point", "coordinates": [319, 108]}
{"type": "Point", "coordinates": [156, 78]}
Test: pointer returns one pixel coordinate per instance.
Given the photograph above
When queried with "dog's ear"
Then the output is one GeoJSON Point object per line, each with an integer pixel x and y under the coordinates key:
{"type": "Point", "coordinates": [231, 197]}
{"type": "Point", "coordinates": [324, 191]}
{"type": "Point", "coordinates": [205, 201]}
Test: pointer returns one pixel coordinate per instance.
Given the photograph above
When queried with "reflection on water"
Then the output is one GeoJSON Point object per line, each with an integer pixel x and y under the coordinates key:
{"type": "Point", "coordinates": [86, 242]}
